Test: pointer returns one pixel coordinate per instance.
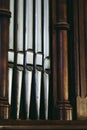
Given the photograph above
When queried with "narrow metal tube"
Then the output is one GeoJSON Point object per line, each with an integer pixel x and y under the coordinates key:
{"type": "Point", "coordinates": [38, 52]}
{"type": "Point", "coordinates": [46, 47]}
{"type": "Point", "coordinates": [20, 25]}
{"type": "Point", "coordinates": [38, 91]}
{"type": "Point", "coordinates": [10, 56]}
{"type": "Point", "coordinates": [11, 26]}
{"type": "Point", "coordinates": [38, 80]}
{"type": "Point", "coordinates": [28, 78]}
{"type": "Point", "coordinates": [28, 54]}
{"type": "Point", "coordinates": [10, 75]}
{"type": "Point", "coordinates": [46, 93]}
{"type": "Point", "coordinates": [46, 85]}
{"type": "Point", "coordinates": [19, 87]}
{"type": "Point", "coordinates": [38, 26]}
{"type": "Point", "coordinates": [46, 28]}
{"type": "Point", "coordinates": [20, 61]}
{"type": "Point", "coordinates": [29, 25]}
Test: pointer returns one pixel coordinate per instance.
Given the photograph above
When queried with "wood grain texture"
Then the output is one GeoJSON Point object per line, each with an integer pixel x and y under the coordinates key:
{"type": "Point", "coordinates": [4, 39]}
{"type": "Point", "coordinates": [42, 125]}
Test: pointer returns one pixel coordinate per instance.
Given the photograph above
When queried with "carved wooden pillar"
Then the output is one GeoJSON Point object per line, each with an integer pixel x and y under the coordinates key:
{"type": "Point", "coordinates": [64, 109]}
{"type": "Point", "coordinates": [4, 28]}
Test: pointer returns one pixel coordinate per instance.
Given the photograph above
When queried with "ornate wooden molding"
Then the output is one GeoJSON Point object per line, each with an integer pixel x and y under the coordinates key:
{"type": "Point", "coordinates": [62, 25]}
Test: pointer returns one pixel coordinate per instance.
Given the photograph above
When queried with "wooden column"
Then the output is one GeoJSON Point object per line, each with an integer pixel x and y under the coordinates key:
{"type": "Point", "coordinates": [64, 109]}
{"type": "Point", "coordinates": [4, 28]}
{"type": "Point", "coordinates": [54, 58]}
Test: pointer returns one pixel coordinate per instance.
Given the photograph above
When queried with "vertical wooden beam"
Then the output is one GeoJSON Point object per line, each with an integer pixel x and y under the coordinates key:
{"type": "Point", "coordinates": [54, 58]}
{"type": "Point", "coordinates": [4, 39]}
{"type": "Point", "coordinates": [64, 109]}
{"type": "Point", "coordinates": [80, 45]}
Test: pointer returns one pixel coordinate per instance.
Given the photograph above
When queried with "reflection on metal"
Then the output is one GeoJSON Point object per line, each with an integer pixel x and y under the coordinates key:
{"type": "Point", "coordinates": [46, 93]}
{"type": "Point", "coordinates": [29, 57]}
{"type": "Point", "coordinates": [38, 79]}
{"type": "Point", "coordinates": [46, 48]}
{"type": "Point", "coordinates": [38, 52]}
{"type": "Point", "coordinates": [28, 80]}
{"type": "Point", "coordinates": [10, 75]}
{"type": "Point", "coordinates": [29, 54]}
{"type": "Point", "coordinates": [11, 56]}
{"type": "Point", "coordinates": [47, 63]}
{"type": "Point", "coordinates": [38, 91]}
{"type": "Point", "coordinates": [38, 59]}
{"type": "Point", "coordinates": [20, 60]}
{"type": "Point", "coordinates": [46, 84]}
{"type": "Point", "coordinates": [46, 28]}
{"type": "Point", "coordinates": [38, 26]}
{"type": "Point", "coordinates": [19, 87]}
{"type": "Point", "coordinates": [26, 56]}
{"type": "Point", "coordinates": [29, 25]}
{"type": "Point", "coordinates": [20, 23]}
{"type": "Point", "coordinates": [11, 26]}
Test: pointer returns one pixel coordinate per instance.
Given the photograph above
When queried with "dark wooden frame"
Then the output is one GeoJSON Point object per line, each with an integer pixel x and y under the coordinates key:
{"type": "Point", "coordinates": [42, 125]}
{"type": "Point", "coordinates": [59, 22]}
